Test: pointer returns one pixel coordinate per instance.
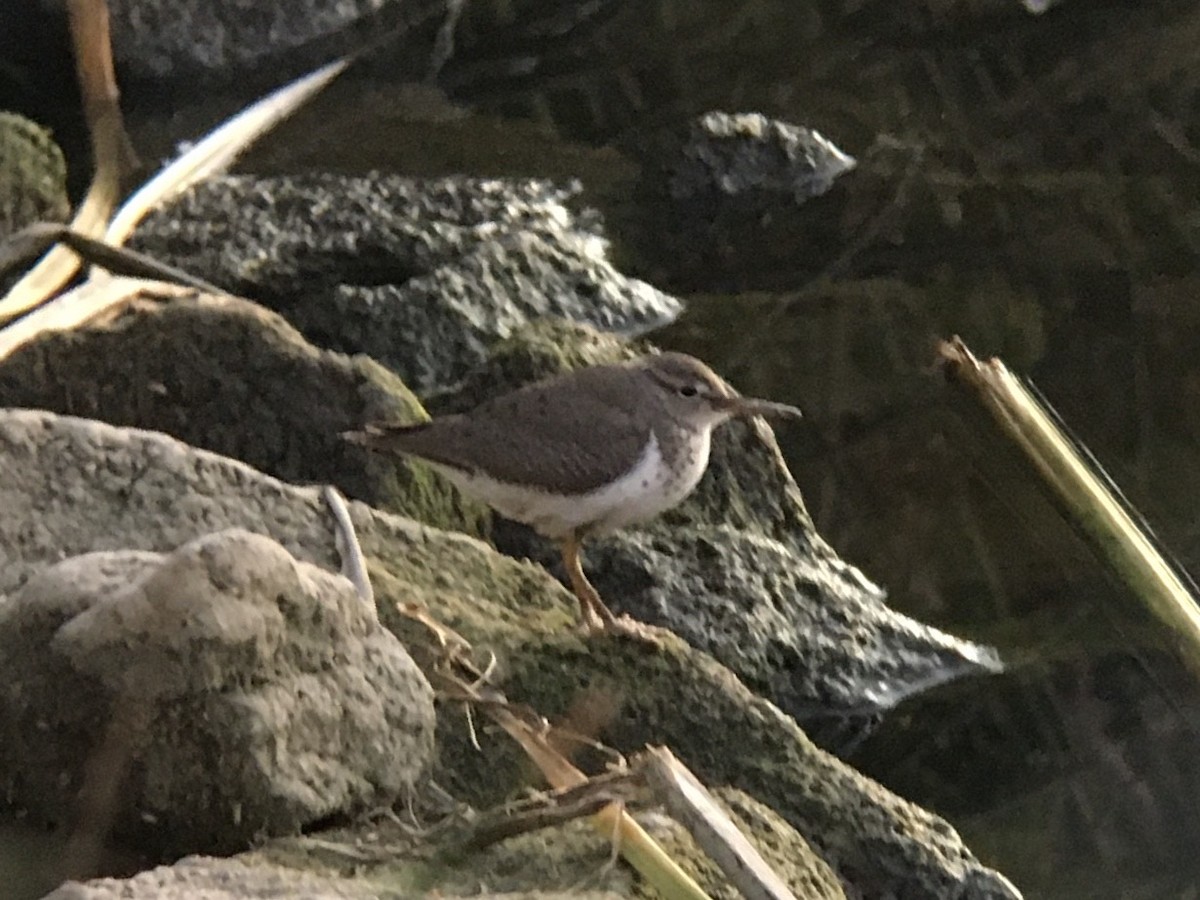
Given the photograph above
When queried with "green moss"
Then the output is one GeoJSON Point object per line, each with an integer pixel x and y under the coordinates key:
{"type": "Point", "coordinates": [33, 175]}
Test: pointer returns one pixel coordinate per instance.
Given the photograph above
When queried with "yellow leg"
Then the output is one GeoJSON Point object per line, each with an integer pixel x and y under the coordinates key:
{"type": "Point", "coordinates": [594, 614]}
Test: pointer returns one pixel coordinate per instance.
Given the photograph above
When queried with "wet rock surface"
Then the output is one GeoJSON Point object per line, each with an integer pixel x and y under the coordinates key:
{"type": "Point", "coordinates": [808, 631]}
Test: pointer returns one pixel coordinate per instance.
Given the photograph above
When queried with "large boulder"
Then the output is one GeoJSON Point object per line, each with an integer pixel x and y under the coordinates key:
{"type": "Point", "coordinates": [197, 699]}
{"type": "Point", "coordinates": [423, 275]}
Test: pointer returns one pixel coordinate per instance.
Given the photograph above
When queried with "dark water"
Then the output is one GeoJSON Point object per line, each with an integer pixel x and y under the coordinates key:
{"type": "Point", "coordinates": [1048, 214]}
{"type": "Point", "coordinates": [1073, 773]}
{"type": "Point", "coordinates": [1030, 183]}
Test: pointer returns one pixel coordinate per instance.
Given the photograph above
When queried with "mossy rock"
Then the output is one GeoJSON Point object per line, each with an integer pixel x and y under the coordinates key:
{"type": "Point", "coordinates": [33, 175]}
{"type": "Point", "coordinates": [628, 695]}
{"type": "Point", "coordinates": [72, 486]}
{"type": "Point", "coordinates": [227, 375]}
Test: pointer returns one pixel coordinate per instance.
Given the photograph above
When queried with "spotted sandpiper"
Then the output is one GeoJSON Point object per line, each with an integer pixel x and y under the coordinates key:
{"type": "Point", "coordinates": [583, 453]}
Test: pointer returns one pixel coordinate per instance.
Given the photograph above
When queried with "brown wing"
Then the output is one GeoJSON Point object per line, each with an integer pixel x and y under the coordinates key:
{"type": "Point", "coordinates": [572, 434]}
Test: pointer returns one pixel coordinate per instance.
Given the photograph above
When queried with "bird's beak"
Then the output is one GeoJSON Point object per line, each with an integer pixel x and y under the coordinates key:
{"type": "Point", "coordinates": [751, 406]}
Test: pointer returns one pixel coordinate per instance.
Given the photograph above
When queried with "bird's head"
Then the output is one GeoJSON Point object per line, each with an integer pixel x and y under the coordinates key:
{"type": "Point", "coordinates": [697, 394]}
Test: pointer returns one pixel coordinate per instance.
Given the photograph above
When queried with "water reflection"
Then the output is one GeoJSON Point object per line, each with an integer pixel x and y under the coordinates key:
{"type": "Point", "coordinates": [1073, 772]}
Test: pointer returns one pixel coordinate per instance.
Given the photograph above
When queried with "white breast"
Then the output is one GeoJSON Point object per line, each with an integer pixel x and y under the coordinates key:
{"type": "Point", "coordinates": [646, 490]}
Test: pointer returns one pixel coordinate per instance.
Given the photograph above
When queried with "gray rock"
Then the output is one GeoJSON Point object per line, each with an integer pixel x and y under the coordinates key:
{"type": "Point", "coordinates": [807, 630]}
{"type": "Point", "coordinates": [222, 38]}
{"type": "Point", "coordinates": [733, 202]}
{"type": "Point", "coordinates": [33, 175]}
{"type": "Point", "coordinates": [205, 878]}
{"type": "Point", "coordinates": [750, 161]}
{"type": "Point", "coordinates": [219, 692]}
{"type": "Point", "coordinates": [229, 376]}
{"type": "Point", "coordinates": [422, 275]}
{"type": "Point", "coordinates": [72, 486]}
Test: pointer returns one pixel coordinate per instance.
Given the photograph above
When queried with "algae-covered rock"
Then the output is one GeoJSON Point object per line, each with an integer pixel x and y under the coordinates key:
{"type": "Point", "coordinates": [206, 878]}
{"type": "Point", "coordinates": [33, 175]}
{"type": "Point", "coordinates": [571, 858]}
{"type": "Point", "coordinates": [574, 852]}
{"type": "Point", "coordinates": [798, 865]}
{"type": "Point", "coordinates": [628, 696]}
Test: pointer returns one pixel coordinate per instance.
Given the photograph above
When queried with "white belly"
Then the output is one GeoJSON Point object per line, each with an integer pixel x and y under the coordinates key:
{"type": "Point", "coordinates": [642, 493]}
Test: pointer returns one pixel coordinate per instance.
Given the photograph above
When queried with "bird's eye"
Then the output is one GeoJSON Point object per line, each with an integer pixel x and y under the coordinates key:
{"type": "Point", "coordinates": [688, 390]}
